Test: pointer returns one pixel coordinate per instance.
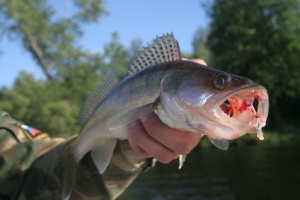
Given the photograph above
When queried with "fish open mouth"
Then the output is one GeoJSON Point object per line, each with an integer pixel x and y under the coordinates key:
{"type": "Point", "coordinates": [247, 108]}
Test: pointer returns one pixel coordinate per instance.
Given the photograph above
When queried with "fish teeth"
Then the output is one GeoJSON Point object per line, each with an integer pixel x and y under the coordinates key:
{"type": "Point", "coordinates": [260, 134]}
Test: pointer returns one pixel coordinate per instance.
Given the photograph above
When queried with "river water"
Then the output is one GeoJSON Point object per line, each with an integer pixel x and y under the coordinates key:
{"type": "Point", "coordinates": [254, 172]}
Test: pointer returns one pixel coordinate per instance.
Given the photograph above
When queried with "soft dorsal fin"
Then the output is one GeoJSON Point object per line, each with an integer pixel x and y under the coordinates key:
{"type": "Point", "coordinates": [94, 100]}
{"type": "Point", "coordinates": [163, 49]}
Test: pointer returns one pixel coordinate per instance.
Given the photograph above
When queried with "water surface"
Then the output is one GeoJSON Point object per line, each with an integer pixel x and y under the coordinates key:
{"type": "Point", "coordinates": [254, 172]}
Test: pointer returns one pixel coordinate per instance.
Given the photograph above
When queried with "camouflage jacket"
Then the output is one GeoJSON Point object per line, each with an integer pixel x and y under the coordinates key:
{"type": "Point", "coordinates": [32, 166]}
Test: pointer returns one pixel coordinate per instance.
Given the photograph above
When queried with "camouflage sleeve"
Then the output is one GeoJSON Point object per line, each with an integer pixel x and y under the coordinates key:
{"type": "Point", "coordinates": [33, 169]}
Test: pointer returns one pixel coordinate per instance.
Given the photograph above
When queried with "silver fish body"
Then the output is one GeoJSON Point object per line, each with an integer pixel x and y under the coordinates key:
{"type": "Point", "coordinates": [185, 95]}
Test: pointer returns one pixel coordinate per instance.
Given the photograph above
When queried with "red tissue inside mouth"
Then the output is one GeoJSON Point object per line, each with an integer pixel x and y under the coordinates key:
{"type": "Point", "coordinates": [238, 104]}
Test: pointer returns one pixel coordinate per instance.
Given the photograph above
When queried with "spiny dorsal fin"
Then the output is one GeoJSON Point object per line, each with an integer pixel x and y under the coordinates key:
{"type": "Point", "coordinates": [163, 49]}
{"type": "Point", "coordinates": [95, 99]}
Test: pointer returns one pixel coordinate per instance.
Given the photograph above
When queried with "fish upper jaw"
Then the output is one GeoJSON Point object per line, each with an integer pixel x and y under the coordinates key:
{"type": "Point", "coordinates": [245, 110]}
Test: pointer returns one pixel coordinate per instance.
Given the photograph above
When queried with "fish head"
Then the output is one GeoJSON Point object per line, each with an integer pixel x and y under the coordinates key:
{"type": "Point", "coordinates": [221, 105]}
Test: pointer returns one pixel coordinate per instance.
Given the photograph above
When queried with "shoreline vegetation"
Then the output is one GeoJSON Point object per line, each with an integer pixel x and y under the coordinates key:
{"type": "Point", "coordinates": [272, 138]}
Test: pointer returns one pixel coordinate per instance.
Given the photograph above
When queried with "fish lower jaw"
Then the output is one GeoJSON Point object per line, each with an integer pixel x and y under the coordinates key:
{"type": "Point", "coordinates": [245, 121]}
{"type": "Point", "coordinates": [228, 133]}
{"type": "Point", "coordinates": [222, 127]}
{"type": "Point", "coordinates": [216, 129]}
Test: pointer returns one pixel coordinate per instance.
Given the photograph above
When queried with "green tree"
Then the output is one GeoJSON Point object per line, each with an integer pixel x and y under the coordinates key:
{"type": "Point", "coordinates": [259, 40]}
{"type": "Point", "coordinates": [51, 40]}
{"type": "Point", "coordinates": [136, 45]}
{"type": "Point", "coordinates": [199, 44]}
{"type": "Point", "coordinates": [52, 105]}
{"type": "Point", "coordinates": [41, 104]}
{"type": "Point", "coordinates": [115, 55]}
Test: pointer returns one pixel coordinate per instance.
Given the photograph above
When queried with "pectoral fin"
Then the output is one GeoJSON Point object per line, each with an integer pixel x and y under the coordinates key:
{"type": "Point", "coordinates": [221, 144]}
{"type": "Point", "coordinates": [132, 116]}
{"type": "Point", "coordinates": [102, 153]}
{"type": "Point", "coordinates": [69, 177]}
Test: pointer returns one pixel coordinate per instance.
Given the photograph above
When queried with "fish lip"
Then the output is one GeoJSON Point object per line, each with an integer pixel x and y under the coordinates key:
{"type": "Point", "coordinates": [262, 107]}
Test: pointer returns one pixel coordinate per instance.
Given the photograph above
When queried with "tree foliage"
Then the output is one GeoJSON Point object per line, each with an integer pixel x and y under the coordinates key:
{"type": "Point", "coordinates": [259, 40]}
{"type": "Point", "coordinates": [51, 40]}
{"type": "Point", "coordinates": [199, 44]}
{"type": "Point", "coordinates": [115, 55]}
{"type": "Point", "coordinates": [53, 105]}
{"type": "Point", "coordinates": [41, 104]}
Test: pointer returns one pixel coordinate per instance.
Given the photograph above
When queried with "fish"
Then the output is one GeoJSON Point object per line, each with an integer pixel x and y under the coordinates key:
{"type": "Point", "coordinates": [185, 95]}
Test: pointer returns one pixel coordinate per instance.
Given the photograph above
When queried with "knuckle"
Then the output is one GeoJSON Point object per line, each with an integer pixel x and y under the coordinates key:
{"type": "Point", "coordinates": [185, 148]}
{"type": "Point", "coordinates": [138, 137]}
{"type": "Point", "coordinates": [188, 144]}
{"type": "Point", "coordinates": [150, 124]}
{"type": "Point", "coordinates": [167, 158]}
{"type": "Point", "coordinates": [152, 132]}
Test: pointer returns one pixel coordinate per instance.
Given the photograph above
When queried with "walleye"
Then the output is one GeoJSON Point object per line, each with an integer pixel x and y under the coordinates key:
{"type": "Point", "coordinates": [185, 95]}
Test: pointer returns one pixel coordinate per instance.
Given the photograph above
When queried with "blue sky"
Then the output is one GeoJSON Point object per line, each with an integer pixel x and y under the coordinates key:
{"type": "Point", "coordinates": [142, 19]}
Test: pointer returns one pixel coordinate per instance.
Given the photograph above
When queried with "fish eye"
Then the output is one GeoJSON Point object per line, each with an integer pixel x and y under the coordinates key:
{"type": "Point", "coordinates": [221, 81]}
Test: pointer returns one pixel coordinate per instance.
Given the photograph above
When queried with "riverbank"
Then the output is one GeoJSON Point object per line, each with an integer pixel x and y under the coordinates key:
{"type": "Point", "coordinates": [272, 138]}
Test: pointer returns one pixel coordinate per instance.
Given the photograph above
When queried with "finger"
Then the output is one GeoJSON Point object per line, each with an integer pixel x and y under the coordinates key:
{"type": "Point", "coordinates": [178, 141]}
{"type": "Point", "coordinates": [200, 61]}
{"type": "Point", "coordinates": [145, 146]}
{"type": "Point", "coordinates": [136, 148]}
{"type": "Point", "coordinates": [133, 128]}
{"type": "Point", "coordinates": [197, 60]}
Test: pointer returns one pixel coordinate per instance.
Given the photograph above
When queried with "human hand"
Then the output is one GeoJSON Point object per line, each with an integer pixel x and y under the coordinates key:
{"type": "Point", "coordinates": [197, 60]}
{"type": "Point", "coordinates": [149, 137]}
